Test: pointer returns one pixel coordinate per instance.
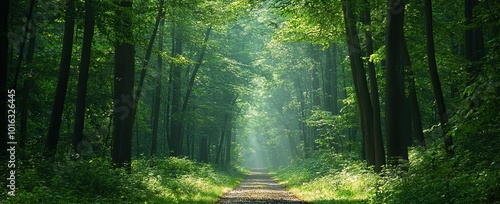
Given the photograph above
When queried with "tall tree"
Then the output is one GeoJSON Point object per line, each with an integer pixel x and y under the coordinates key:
{"type": "Point", "coordinates": [83, 75]}
{"type": "Point", "coordinates": [394, 81]}
{"type": "Point", "coordinates": [157, 91]}
{"type": "Point", "coordinates": [412, 95]}
{"type": "Point", "coordinates": [331, 80]}
{"type": "Point", "coordinates": [436, 84]}
{"type": "Point", "coordinates": [360, 83]}
{"type": "Point", "coordinates": [176, 118]}
{"type": "Point", "coordinates": [377, 127]}
{"type": "Point", "coordinates": [123, 85]}
{"type": "Point", "coordinates": [29, 18]}
{"type": "Point", "coordinates": [62, 82]}
{"type": "Point", "coordinates": [195, 70]}
{"type": "Point", "coordinates": [474, 42]}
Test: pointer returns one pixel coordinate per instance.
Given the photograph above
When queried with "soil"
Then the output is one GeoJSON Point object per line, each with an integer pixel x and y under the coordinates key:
{"type": "Point", "coordinates": [259, 187]}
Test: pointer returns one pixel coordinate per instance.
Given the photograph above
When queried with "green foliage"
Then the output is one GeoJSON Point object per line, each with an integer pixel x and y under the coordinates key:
{"type": "Point", "coordinates": [328, 178]}
{"type": "Point", "coordinates": [432, 177]}
{"type": "Point", "coordinates": [169, 180]}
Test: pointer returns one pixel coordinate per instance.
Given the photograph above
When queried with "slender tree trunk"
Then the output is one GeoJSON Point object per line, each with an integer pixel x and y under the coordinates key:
{"type": "Point", "coordinates": [291, 142]}
{"type": "Point", "coordinates": [176, 119]}
{"type": "Point", "coordinates": [414, 109]}
{"type": "Point", "coordinates": [123, 86]}
{"type": "Point", "coordinates": [377, 127]}
{"type": "Point", "coordinates": [27, 86]}
{"type": "Point", "coordinates": [221, 140]}
{"type": "Point", "coordinates": [204, 149]}
{"type": "Point", "coordinates": [146, 59]}
{"type": "Point", "coordinates": [436, 84]}
{"type": "Point", "coordinates": [394, 81]}
{"type": "Point", "coordinates": [474, 42]}
{"type": "Point", "coordinates": [360, 83]}
{"type": "Point", "coordinates": [228, 146]}
{"type": "Point", "coordinates": [195, 71]}
{"type": "Point", "coordinates": [157, 95]}
{"type": "Point", "coordinates": [316, 99]}
{"type": "Point", "coordinates": [83, 76]}
{"type": "Point", "coordinates": [302, 115]}
{"type": "Point", "coordinates": [62, 82]}
{"type": "Point", "coordinates": [168, 112]}
{"type": "Point", "coordinates": [327, 81]}
{"type": "Point", "coordinates": [334, 82]}
{"type": "Point", "coordinates": [24, 37]}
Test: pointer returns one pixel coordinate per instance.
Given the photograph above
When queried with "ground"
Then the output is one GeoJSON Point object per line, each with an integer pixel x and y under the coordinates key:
{"type": "Point", "coordinates": [259, 187]}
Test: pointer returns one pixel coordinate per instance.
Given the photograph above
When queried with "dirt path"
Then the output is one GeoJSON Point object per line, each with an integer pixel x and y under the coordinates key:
{"type": "Point", "coordinates": [259, 187]}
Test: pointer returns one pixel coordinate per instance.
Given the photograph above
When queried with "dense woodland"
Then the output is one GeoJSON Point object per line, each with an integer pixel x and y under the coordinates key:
{"type": "Point", "coordinates": [169, 101]}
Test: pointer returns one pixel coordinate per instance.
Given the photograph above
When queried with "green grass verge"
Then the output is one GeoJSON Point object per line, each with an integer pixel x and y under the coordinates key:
{"type": "Point", "coordinates": [169, 180]}
{"type": "Point", "coordinates": [313, 182]}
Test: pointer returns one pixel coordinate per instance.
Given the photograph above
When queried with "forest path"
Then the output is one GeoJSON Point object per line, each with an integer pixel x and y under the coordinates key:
{"type": "Point", "coordinates": [259, 187]}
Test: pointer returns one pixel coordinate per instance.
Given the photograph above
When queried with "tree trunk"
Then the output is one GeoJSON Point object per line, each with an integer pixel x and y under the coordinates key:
{"type": "Point", "coordinates": [83, 76]}
{"type": "Point", "coordinates": [316, 98]}
{"type": "Point", "coordinates": [302, 116]}
{"type": "Point", "coordinates": [27, 86]}
{"type": "Point", "coordinates": [62, 82]}
{"type": "Point", "coordinates": [228, 147]}
{"type": "Point", "coordinates": [176, 119]}
{"type": "Point", "coordinates": [24, 37]}
{"type": "Point", "coordinates": [436, 84]}
{"type": "Point", "coordinates": [196, 68]}
{"type": "Point", "coordinates": [394, 81]}
{"type": "Point", "coordinates": [414, 110]}
{"type": "Point", "coordinates": [168, 112]}
{"type": "Point", "coordinates": [360, 83]}
{"type": "Point", "coordinates": [123, 86]}
{"type": "Point", "coordinates": [221, 140]}
{"type": "Point", "coordinates": [146, 59]}
{"type": "Point", "coordinates": [474, 42]}
{"type": "Point", "coordinates": [377, 127]}
{"type": "Point", "coordinates": [204, 149]}
{"type": "Point", "coordinates": [157, 94]}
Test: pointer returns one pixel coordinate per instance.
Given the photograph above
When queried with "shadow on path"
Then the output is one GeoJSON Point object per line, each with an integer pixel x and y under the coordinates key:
{"type": "Point", "coordinates": [259, 187]}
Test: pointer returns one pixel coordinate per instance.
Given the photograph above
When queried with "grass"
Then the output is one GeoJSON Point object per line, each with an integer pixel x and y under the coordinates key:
{"type": "Point", "coordinates": [315, 183]}
{"type": "Point", "coordinates": [169, 180]}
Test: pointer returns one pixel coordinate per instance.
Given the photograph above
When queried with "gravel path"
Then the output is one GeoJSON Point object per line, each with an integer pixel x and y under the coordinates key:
{"type": "Point", "coordinates": [259, 187]}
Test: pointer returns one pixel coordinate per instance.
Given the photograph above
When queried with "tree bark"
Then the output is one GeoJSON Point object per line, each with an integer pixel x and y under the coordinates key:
{"type": "Point", "coordinates": [302, 116]}
{"type": "Point", "coordinates": [88, 34]}
{"type": "Point", "coordinates": [62, 82]}
{"type": "Point", "coordinates": [157, 93]}
{"type": "Point", "coordinates": [436, 84]}
{"type": "Point", "coordinates": [394, 82]}
{"type": "Point", "coordinates": [176, 119]}
{"type": "Point", "coordinates": [228, 146]}
{"type": "Point", "coordinates": [377, 127]}
{"type": "Point", "coordinates": [414, 110]}
{"type": "Point", "coordinates": [360, 83]}
{"type": "Point", "coordinates": [204, 149]}
{"type": "Point", "coordinates": [123, 86]}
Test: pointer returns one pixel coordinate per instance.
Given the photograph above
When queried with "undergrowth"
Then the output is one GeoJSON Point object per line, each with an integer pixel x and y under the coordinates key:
{"type": "Point", "coordinates": [430, 176]}
{"type": "Point", "coordinates": [169, 180]}
{"type": "Point", "coordinates": [326, 178]}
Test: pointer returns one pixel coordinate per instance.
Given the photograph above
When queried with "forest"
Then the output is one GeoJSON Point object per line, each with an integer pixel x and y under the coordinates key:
{"type": "Point", "coordinates": [182, 101]}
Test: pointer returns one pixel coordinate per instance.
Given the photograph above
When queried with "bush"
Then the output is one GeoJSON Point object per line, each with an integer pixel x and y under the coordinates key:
{"type": "Point", "coordinates": [168, 180]}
